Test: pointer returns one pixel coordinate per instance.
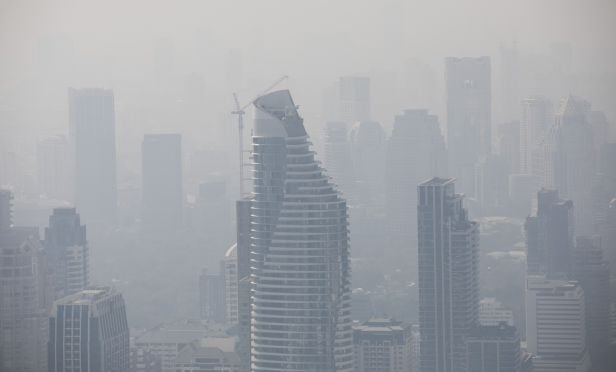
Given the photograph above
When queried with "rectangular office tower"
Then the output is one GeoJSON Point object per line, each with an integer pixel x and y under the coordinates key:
{"type": "Point", "coordinates": [92, 134]}
{"type": "Point", "coordinates": [88, 332]}
{"type": "Point", "coordinates": [469, 116]}
{"type": "Point", "coordinates": [67, 252]}
{"type": "Point", "coordinates": [301, 290]}
{"type": "Point", "coordinates": [383, 345]}
{"type": "Point", "coordinates": [555, 325]}
{"type": "Point", "coordinates": [448, 276]}
{"type": "Point", "coordinates": [162, 182]}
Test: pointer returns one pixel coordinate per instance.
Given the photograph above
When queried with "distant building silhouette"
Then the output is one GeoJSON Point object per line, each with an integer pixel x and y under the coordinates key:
{"type": "Point", "coordinates": [550, 236]}
{"type": "Point", "coordinates": [338, 157]}
{"type": "Point", "coordinates": [367, 145]}
{"type": "Point", "coordinates": [537, 118]}
{"type": "Point", "coordinates": [448, 276]}
{"type": "Point", "coordinates": [212, 297]}
{"type": "Point", "coordinates": [162, 200]}
{"type": "Point", "coordinates": [88, 331]}
{"type": "Point", "coordinates": [92, 135]}
{"type": "Point", "coordinates": [415, 152]}
{"type": "Point", "coordinates": [230, 272]}
{"type": "Point", "coordinates": [469, 116]}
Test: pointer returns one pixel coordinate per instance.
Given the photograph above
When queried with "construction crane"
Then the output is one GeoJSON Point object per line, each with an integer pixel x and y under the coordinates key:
{"type": "Point", "coordinates": [239, 111]}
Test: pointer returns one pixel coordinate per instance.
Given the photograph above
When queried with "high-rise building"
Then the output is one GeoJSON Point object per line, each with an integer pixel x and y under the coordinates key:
{"type": "Point", "coordinates": [555, 325]}
{"type": "Point", "coordinates": [338, 157]}
{"type": "Point", "coordinates": [494, 348]}
{"type": "Point", "coordinates": [469, 116]}
{"type": "Point", "coordinates": [212, 296]}
{"type": "Point", "coordinates": [509, 145]}
{"type": "Point", "coordinates": [550, 236]}
{"type": "Point", "coordinates": [162, 201]}
{"type": "Point", "coordinates": [367, 144]}
{"type": "Point", "coordinates": [571, 159]}
{"type": "Point", "coordinates": [229, 265]}
{"type": "Point", "coordinates": [415, 152]}
{"type": "Point", "coordinates": [88, 331]}
{"type": "Point", "coordinates": [53, 159]}
{"type": "Point", "coordinates": [301, 295]}
{"type": "Point", "coordinates": [593, 273]}
{"type": "Point", "coordinates": [242, 218]}
{"type": "Point", "coordinates": [448, 276]}
{"type": "Point", "coordinates": [354, 98]}
{"type": "Point", "coordinates": [67, 252]}
{"type": "Point", "coordinates": [383, 345]}
{"type": "Point", "coordinates": [24, 295]}
{"type": "Point", "coordinates": [92, 135]}
{"type": "Point", "coordinates": [537, 117]}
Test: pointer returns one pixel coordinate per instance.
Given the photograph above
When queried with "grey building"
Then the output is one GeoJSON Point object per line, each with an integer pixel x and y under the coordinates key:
{"type": "Point", "coordinates": [415, 152]}
{"type": "Point", "coordinates": [207, 355]}
{"type": "Point", "coordinates": [301, 295]}
{"type": "Point", "coordinates": [67, 252]}
{"type": "Point", "coordinates": [494, 348]}
{"type": "Point", "coordinates": [550, 236]}
{"type": "Point", "coordinates": [88, 332]}
{"type": "Point", "coordinates": [469, 116]}
{"type": "Point", "coordinates": [338, 157]}
{"type": "Point", "coordinates": [92, 135]}
{"type": "Point", "coordinates": [53, 167]}
{"type": "Point", "coordinates": [592, 271]}
{"type": "Point", "coordinates": [383, 345]}
{"type": "Point", "coordinates": [354, 98]}
{"type": "Point", "coordinates": [448, 276]}
{"type": "Point", "coordinates": [537, 118]}
{"type": "Point", "coordinates": [212, 301]}
{"type": "Point", "coordinates": [162, 200]}
{"type": "Point", "coordinates": [24, 295]}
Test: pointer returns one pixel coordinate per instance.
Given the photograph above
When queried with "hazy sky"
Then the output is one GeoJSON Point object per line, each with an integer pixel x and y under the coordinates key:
{"type": "Point", "coordinates": [153, 52]}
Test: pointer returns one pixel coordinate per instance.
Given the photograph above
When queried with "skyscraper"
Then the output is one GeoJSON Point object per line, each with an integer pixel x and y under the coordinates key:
{"type": "Point", "coordinates": [212, 299]}
{"type": "Point", "coordinates": [555, 325]}
{"type": "Point", "coordinates": [162, 200]}
{"type": "Point", "coordinates": [92, 134]}
{"type": "Point", "coordinates": [550, 236]}
{"type": "Point", "coordinates": [67, 252]}
{"type": "Point", "coordinates": [593, 273]}
{"type": "Point", "coordinates": [367, 144]}
{"type": "Point", "coordinates": [24, 295]}
{"type": "Point", "coordinates": [536, 119]}
{"type": "Point", "coordinates": [448, 276]}
{"type": "Point", "coordinates": [469, 116]}
{"type": "Point", "coordinates": [415, 152]}
{"type": "Point", "coordinates": [88, 331]}
{"type": "Point", "coordinates": [572, 164]}
{"type": "Point", "coordinates": [338, 157]}
{"type": "Point", "coordinates": [354, 98]}
{"type": "Point", "coordinates": [299, 243]}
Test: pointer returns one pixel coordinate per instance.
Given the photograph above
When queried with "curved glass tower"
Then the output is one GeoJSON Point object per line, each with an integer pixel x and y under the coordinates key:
{"type": "Point", "coordinates": [301, 298]}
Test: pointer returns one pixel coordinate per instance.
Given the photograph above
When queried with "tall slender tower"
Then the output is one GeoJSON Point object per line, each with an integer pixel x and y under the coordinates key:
{"type": "Point", "coordinates": [469, 116]}
{"type": "Point", "coordinates": [448, 276]}
{"type": "Point", "coordinates": [301, 298]}
{"type": "Point", "coordinates": [415, 152]}
{"type": "Point", "coordinates": [92, 132]}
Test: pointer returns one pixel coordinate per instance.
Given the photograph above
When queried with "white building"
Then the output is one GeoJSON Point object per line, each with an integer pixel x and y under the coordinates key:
{"type": "Point", "coordinates": [555, 325]}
